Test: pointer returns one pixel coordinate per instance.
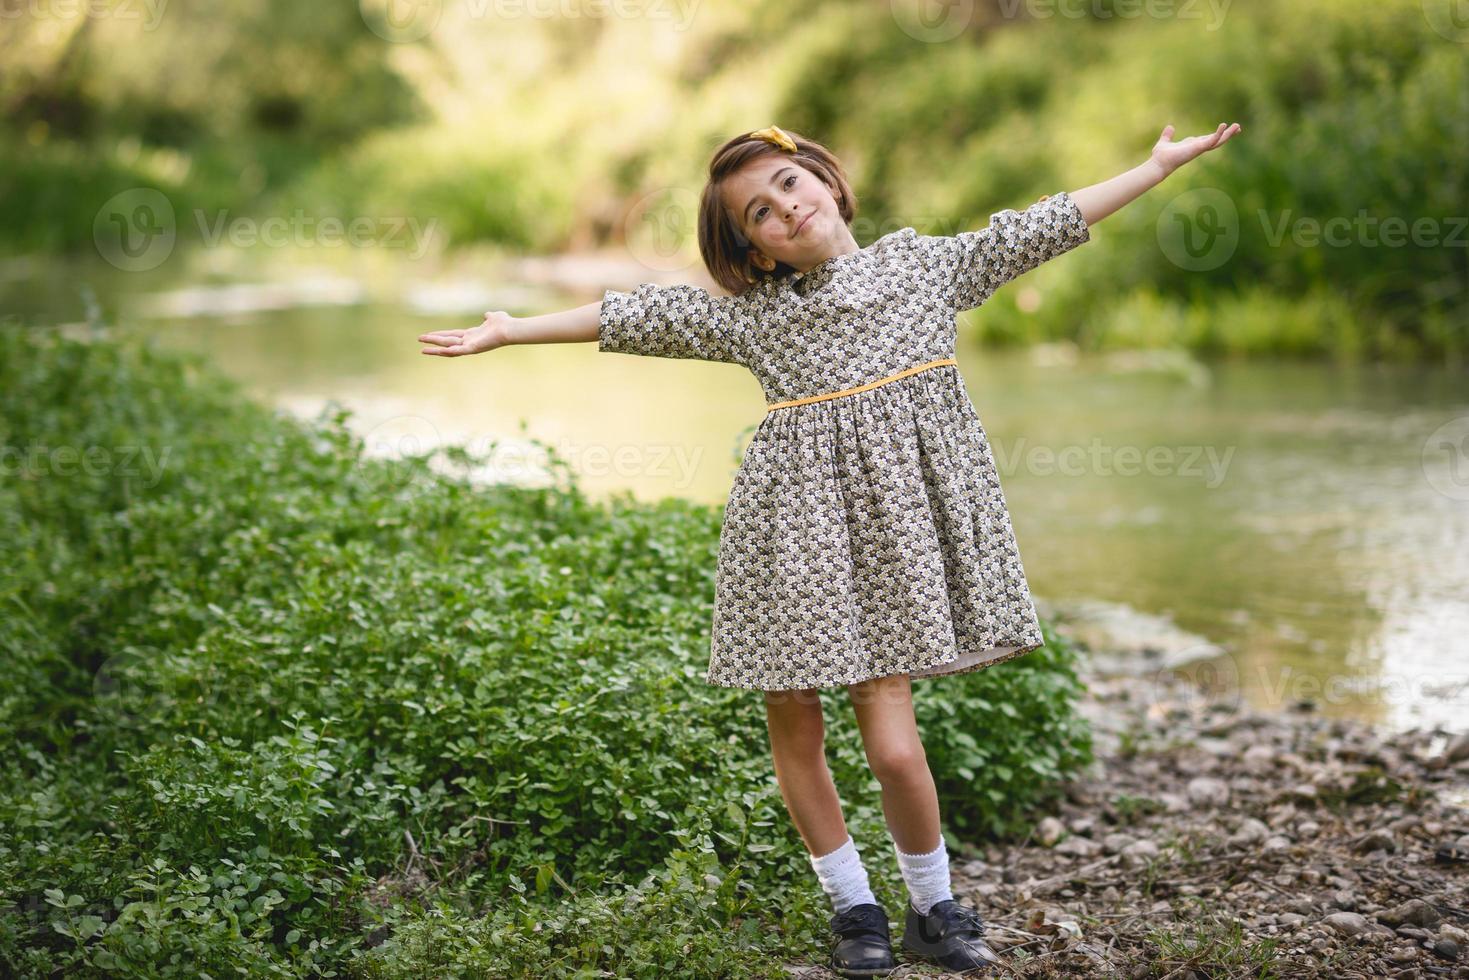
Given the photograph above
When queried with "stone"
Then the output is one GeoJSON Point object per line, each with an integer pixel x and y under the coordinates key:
{"type": "Point", "coordinates": [1458, 749]}
{"type": "Point", "coordinates": [1446, 949]}
{"type": "Point", "coordinates": [1413, 912]}
{"type": "Point", "coordinates": [1375, 840]}
{"type": "Point", "coordinates": [1449, 931]}
{"type": "Point", "coordinates": [1249, 832]}
{"type": "Point", "coordinates": [1116, 843]}
{"type": "Point", "coordinates": [1079, 847]}
{"type": "Point", "coordinates": [1402, 954]}
{"type": "Point", "coordinates": [1139, 853]}
{"type": "Point", "coordinates": [1259, 757]}
{"type": "Point", "coordinates": [1049, 831]}
{"type": "Point", "coordinates": [1300, 793]}
{"type": "Point", "coordinates": [1346, 923]}
{"type": "Point", "coordinates": [1207, 791]}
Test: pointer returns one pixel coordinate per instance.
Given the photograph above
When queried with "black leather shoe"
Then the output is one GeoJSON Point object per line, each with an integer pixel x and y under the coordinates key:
{"type": "Point", "coordinates": [864, 947]}
{"type": "Point", "coordinates": [950, 934]}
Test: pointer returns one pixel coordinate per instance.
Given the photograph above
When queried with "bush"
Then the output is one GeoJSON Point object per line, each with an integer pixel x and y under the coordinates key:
{"type": "Point", "coordinates": [275, 704]}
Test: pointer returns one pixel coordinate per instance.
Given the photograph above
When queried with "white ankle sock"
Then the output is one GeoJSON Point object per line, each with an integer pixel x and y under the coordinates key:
{"type": "Point", "coordinates": [843, 878]}
{"type": "Point", "coordinates": [926, 875]}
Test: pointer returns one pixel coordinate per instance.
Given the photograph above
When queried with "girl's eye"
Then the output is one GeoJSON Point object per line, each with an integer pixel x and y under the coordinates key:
{"type": "Point", "coordinates": [786, 185]}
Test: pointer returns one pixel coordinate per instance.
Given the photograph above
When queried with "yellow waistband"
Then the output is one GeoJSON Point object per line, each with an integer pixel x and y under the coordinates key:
{"type": "Point", "coordinates": [871, 384]}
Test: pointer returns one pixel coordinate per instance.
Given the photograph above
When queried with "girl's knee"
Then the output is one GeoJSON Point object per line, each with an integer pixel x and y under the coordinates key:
{"type": "Point", "coordinates": [900, 760]}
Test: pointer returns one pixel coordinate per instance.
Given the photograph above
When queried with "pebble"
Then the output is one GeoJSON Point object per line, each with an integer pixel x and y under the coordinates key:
{"type": "Point", "coordinates": [1458, 749]}
{"type": "Point", "coordinates": [1250, 831]}
{"type": "Point", "coordinates": [1079, 847]}
{"type": "Point", "coordinates": [1376, 840]}
{"type": "Point", "coordinates": [1207, 791]}
{"type": "Point", "coordinates": [1449, 931]}
{"type": "Point", "coordinates": [1116, 843]}
{"type": "Point", "coordinates": [1173, 802]}
{"type": "Point", "coordinates": [1139, 853]}
{"type": "Point", "coordinates": [1446, 949]}
{"type": "Point", "coordinates": [1413, 912]}
{"type": "Point", "coordinates": [1049, 831]}
{"type": "Point", "coordinates": [1402, 954]}
{"type": "Point", "coordinates": [1346, 923]}
{"type": "Point", "coordinates": [1259, 757]}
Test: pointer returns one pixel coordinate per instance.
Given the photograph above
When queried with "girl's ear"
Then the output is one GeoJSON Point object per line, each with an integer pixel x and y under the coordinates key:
{"type": "Point", "coordinates": [762, 261]}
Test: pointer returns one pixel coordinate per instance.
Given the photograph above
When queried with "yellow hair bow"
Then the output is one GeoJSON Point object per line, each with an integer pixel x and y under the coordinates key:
{"type": "Point", "coordinates": [776, 135]}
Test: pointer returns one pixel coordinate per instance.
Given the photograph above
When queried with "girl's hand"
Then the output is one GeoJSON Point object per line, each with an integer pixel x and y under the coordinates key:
{"type": "Point", "coordinates": [492, 333]}
{"type": "Point", "coordinates": [1170, 156]}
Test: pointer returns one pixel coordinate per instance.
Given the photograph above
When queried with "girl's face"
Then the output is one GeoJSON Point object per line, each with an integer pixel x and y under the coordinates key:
{"type": "Point", "coordinates": [786, 212]}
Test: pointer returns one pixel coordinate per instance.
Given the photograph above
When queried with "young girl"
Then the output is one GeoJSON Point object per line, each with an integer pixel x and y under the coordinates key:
{"type": "Point", "coordinates": [866, 539]}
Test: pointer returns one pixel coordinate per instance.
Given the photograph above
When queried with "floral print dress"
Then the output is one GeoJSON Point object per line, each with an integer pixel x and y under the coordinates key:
{"type": "Point", "coordinates": [865, 534]}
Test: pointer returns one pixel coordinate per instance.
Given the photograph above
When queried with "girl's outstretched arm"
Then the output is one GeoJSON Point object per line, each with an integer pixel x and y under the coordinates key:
{"type": "Point", "coordinates": [500, 329]}
{"type": "Point", "coordinates": [1100, 200]}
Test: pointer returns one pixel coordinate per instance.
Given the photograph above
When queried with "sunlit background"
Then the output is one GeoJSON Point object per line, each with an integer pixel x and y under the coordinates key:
{"type": "Point", "coordinates": [1233, 429]}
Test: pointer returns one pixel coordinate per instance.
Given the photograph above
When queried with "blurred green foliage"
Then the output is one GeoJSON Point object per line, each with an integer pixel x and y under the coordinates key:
{"type": "Point", "coordinates": [547, 133]}
{"type": "Point", "coordinates": [278, 707]}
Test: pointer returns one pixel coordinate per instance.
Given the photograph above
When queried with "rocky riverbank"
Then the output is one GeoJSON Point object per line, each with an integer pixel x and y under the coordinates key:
{"type": "Point", "coordinates": [1212, 841]}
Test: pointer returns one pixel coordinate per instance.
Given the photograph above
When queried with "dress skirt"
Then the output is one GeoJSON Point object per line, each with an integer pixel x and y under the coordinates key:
{"type": "Point", "coordinates": [867, 535]}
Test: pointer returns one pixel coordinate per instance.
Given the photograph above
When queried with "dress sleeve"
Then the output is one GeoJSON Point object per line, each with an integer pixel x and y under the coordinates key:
{"type": "Point", "coordinates": [674, 321]}
{"type": "Point", "coordinates": [973, 264]}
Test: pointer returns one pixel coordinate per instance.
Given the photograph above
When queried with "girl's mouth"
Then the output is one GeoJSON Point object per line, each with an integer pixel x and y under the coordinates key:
{"type": "Point", "coordinates": [802, 224]}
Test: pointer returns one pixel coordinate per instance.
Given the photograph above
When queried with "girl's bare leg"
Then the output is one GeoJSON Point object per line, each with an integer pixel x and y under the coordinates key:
{"type": "Point", "coordinates": [798, 746]}
{"type": "Point", "coordinates": [884, 707]}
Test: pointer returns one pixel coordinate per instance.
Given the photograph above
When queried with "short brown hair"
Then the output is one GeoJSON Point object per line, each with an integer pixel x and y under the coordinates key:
{"type": "Point", "coordinates": [724, 247]}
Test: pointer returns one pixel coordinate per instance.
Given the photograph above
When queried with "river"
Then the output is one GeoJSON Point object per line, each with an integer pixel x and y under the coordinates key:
{"type": "Point", "coordinates": [1298, 531]}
